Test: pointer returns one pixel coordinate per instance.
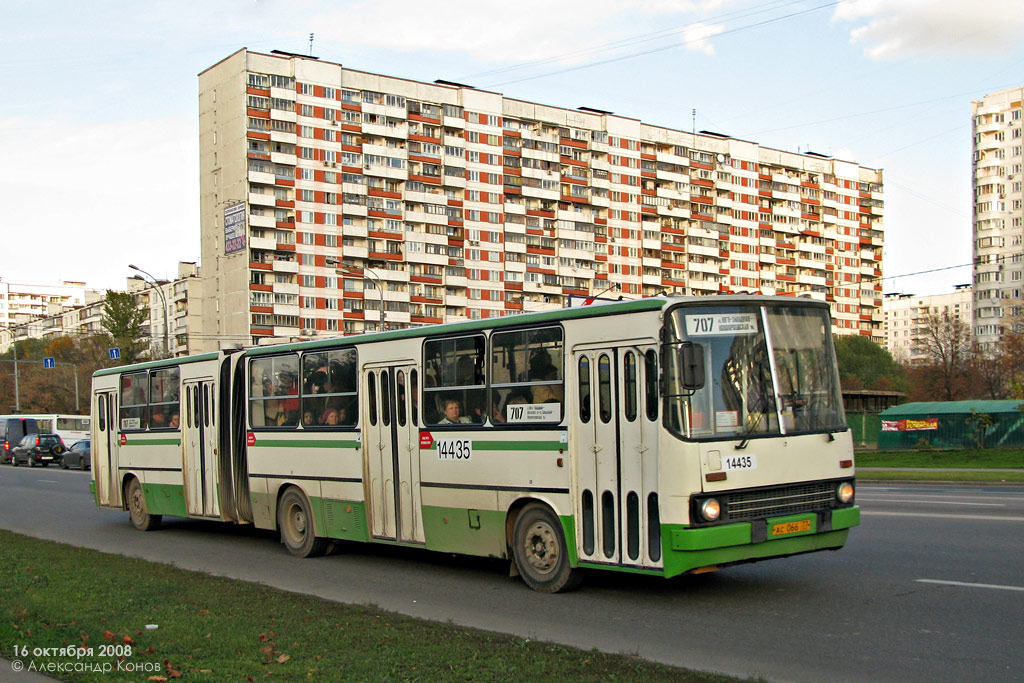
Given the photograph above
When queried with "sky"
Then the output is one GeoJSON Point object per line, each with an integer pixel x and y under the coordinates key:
{"type": "Point", "coordinates": [99, 127]}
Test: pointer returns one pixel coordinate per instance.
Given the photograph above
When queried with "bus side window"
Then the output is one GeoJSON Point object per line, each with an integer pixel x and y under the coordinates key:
{"type": "Point", "coordinates": [454, 379]}
{"type": "Point", "coordinates": [527, 365]}
{"type": "Point", "coordinates": [415, 396]}
{"type": "Point", "coordinates": [371, 396]}
{"type": "Point", "coordinates": [400, 398]}
{"type": "Point", "coordinates": [651, 384]}
{"type": "Point", "coordinates": [584, 398]}
{"type": "Point", "coordinates": [629, 385]}
{"type": "Point", "coordinates": [102, 409]}
{"type": "Point", "coordinates": [604, 388]}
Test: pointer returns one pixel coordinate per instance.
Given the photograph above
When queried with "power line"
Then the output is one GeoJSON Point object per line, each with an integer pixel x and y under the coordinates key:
{"type": "Point", "coordinates": [633, 40]}
{"type": "Point", "coordinates": [669, 47]}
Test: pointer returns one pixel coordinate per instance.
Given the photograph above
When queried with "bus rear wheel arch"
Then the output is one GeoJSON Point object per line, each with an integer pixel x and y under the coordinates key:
{"type": "Point", "coordinates": [295, 522]}
{"type": "Point", "coordinates": [138, 512]}
{"type": "Point", "coordinates": [540, 552]}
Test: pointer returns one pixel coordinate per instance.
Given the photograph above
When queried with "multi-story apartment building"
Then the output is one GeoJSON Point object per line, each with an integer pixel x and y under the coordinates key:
{"type": "Point", "coordinates": [20, 303]}
{"type": "Point", "coordinates": [905, 316]}
{"type": "Point", "coordinates": [998, 184]}
{"type": "Point", "coordinates": [183, 314]}
{"type": "Point", "coordinates": [337, 201]}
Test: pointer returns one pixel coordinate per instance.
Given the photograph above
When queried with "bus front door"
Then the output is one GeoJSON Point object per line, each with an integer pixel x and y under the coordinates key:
{"type": "Point", "coordinates": [199, 448]}
{"type": "Point", "coordinates": [104, 448]}
{"type": "Point", "coordinates": [391, 435]}
{"type": "Point", "coordinates": [616, 457]}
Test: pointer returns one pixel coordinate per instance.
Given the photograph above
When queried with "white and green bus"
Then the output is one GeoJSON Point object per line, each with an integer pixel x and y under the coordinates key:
{"type": "Point", "coordinates": [661, 436]}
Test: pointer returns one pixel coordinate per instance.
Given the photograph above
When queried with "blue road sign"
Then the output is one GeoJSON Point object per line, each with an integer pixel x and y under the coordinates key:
{"type": "Point", "coordinates": [115, 354]}
{"type": "Point", "coordinates": [49, 362]}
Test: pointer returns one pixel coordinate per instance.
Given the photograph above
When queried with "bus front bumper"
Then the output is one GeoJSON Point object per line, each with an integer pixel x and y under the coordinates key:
{"type": "Point", "coordinates": [708, 548]}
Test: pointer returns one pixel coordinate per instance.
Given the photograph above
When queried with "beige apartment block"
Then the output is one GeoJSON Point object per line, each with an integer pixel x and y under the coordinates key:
{"type": "Point", "coordinates": [336, 201]}
{"type": "Point", "coordinates": [906, 316]}
{"type": "Point", "coordinates": [998, 184]}
{"type": "Point", "coordinates": [179, 307]}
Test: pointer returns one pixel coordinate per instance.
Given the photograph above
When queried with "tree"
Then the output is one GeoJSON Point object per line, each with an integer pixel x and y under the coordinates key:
{"type": "Point", "coordinates": [945, 343]}
{"type": "Point", "coordinates": [122, 319]}
{"type": "Point", "coordinates": [863, 364]}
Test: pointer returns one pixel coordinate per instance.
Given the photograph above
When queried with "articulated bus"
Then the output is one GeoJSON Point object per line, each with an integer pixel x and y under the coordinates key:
{"type": "Point", "coordinates": [661, 436]}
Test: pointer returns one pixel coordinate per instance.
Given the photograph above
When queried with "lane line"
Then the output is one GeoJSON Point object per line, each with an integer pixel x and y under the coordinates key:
{"type": "Point", "coordinates": [944, 495]}
{"type": "Point", "coordinates": [48, 481]}
{"type": "Point", "coordinates": [972, 585]}
{"type": "Point", "coordinates": [981, 518]}
{"type": "Point", "coordinates": [932, 502]}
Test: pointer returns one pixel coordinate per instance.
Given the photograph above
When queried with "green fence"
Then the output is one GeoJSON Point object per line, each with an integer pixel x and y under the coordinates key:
{"type": "Point", "coordinates": [864, 427]}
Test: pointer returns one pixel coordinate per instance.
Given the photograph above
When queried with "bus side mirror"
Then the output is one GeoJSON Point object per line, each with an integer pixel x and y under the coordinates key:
{"type": "Point", "coordinates": [692, 361]}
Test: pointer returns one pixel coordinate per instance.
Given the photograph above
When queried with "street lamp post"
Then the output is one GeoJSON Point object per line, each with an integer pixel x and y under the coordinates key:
{"type": "Point", "coordinates": [364, 273]}
{"type": "Point", "coordinates": [152, 281]}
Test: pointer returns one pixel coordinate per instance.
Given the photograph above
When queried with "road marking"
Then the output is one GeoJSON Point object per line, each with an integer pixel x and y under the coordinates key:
{"type": "Point", "coordinates": [972, 585]}
{"type": "Point", "coordinates": [983, 518]}
{"type": "Point", "coordinates": [48, 481]}
{"type": "Point", "coordinates": [929, 500]}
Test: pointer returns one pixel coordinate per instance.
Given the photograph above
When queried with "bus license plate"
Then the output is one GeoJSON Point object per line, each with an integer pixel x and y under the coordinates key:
{"type": "Point", "coordinates": [791, 527]}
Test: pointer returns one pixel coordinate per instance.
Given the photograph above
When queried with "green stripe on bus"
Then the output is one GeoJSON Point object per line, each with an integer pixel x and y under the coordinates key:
{"type": "Point", "coordinates": [511, 445]}
{"type": "Point", "coordinates": [152, 442]}
{"type": "Point", "coordinates": [303, 443]}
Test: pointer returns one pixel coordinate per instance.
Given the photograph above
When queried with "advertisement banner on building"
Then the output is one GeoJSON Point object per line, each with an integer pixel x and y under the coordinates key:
{"type": "Point", "coordinates": [910, 425]}
{"type": "Point", "coordinates": [234, 228]}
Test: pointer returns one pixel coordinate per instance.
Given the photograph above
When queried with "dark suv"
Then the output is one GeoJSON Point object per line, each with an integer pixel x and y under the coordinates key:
{"type": "Point", "coordinates": [38, 449]}
{"type": "Point", "coordinates": [12, 431]}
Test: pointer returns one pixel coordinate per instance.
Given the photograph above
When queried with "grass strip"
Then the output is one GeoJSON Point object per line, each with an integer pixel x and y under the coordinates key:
{"type": "Point", "coordinates": [998, 458]}
{"type": "Point", "coordinates": [214, 629]}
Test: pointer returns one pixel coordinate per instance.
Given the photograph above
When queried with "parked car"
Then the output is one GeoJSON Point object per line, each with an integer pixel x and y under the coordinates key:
{"type": "Point", "coordinates": [12, 431]}
{"type": "Point", "coordinates": [79, 455]}
{"type": "Point", "coordinates": [38, 449]}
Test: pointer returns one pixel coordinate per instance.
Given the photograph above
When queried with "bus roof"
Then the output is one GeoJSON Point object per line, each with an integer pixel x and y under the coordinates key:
{"type": "Point", "coordinates": [557, 315]}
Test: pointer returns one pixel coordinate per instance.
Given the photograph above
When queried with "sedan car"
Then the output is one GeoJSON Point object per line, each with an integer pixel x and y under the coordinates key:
{"type": "Point", "coordinates": [79, 455]}
{"type": "Point", "coordinates": [38, 449]}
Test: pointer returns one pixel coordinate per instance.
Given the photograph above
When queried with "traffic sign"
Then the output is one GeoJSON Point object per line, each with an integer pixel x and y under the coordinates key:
{"type": "Point", "coordinates": [49, 363]}
{"type": "Point", "coordinates": [115, 354]}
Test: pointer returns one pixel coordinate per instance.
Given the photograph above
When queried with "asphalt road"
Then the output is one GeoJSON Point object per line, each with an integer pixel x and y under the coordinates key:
{"type": "Point", "coordinates": [929, 588]}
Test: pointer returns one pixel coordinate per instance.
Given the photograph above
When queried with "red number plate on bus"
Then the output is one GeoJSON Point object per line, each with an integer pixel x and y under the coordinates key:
{"type": "Point", "coordinates": [791, 527]}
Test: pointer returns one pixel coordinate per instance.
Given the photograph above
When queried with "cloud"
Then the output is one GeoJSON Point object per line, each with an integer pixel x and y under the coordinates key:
{"type": "Point", "coordinates": [696, 36]}
{"type": "Point", "coordinates": [898, 29]}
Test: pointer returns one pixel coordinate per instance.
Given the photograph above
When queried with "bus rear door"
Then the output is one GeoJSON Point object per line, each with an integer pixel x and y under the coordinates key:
{"type": "Point", "coordinates": [105, 447]}
{"type": "Point", "coordinates": [391, 438]}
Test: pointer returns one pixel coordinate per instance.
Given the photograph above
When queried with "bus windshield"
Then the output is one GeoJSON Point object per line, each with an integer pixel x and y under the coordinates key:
{"type": "Point", "coordinates": [748, 371]}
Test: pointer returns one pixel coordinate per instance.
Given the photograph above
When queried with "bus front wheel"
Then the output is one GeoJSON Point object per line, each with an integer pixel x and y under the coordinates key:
{"type": "Point", "coordinates": [137, 510]}
{"type": "Point", "coordinates": [295, 519]}
{"type": "Point", "coordinates": [541, 556]}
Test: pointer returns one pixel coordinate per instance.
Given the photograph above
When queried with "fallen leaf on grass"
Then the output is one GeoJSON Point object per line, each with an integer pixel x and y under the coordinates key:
{"type": "Point", "coordinates": [108, 635]}
{"type": "Point", "coordinates": [282, 659]}
{"type": "Point", "coordinates": [157, 678]}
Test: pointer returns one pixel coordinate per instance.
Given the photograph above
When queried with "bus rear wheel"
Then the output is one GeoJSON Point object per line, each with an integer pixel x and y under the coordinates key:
{"type": "Point", "coordinates": [137, 510]}
{"type": "Point", "coordinates": [295, 519]}
{"type": "Point", "coordinates": [540, 552]}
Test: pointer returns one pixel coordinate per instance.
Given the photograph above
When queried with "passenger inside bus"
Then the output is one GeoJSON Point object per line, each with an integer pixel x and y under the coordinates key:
{"type": "Point", "coordinates": [542, 369]}
{"type": "Point", "coordinates": [452, 414]}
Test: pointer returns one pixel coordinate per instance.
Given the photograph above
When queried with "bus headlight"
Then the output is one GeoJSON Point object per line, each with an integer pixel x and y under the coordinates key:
{"type": "Point", "coordinates": [844, 492]}
{"type": "Point", "coordinates": [710, 509]}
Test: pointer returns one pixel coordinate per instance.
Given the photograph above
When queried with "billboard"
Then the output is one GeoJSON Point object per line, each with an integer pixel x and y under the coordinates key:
{"type": "Point", "coordinates": [234, 228]}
